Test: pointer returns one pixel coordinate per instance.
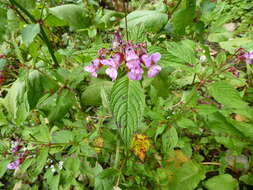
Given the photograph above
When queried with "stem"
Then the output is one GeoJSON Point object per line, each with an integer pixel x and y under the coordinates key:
{"type": "Point", "coordinates": [117, 154]}
{"type": "Point", "coordinates": [174, 9]}
{"type": "Point", "coordinates": [126, 9]}
{"type": "Point", "coordinates": [43, 37]}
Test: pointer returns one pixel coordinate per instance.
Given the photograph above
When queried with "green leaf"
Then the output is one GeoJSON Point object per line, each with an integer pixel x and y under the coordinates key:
{"type": "Point", "coordinates": [127, 104]}
{"type": "Point", "coordinates": [58, 105]}
{"type": "Point", "coordinates": [73, 165]}
{"type": "Point", "coordinates": [183, 51]}
{"type": "Point", "coordinates": [169, 139]}
{"type": "Point", "coordinates": [29, 33]}
{"type": "Point", "coordinates": [152, 20]}
{"type": "Point", "coordinates": [27, 4]}
{"type": "Point", "coordinates": [183, 18]}
{"type": "Point", "coordinates": [221, 182]}
{"type": "Point", "coordinates": [92, 94]}
{"type": "Point", "coordinates": [187, 177]}
{"type": "Point", "coordinates": [227, 95]}
{"type": "Point", "coordinates": [3, 166]}
{"type": "Point", "coordinates": [16, 101]}
{"type": "Point", "coordinates": [62, 136]}
{"type": "Point", "coordinates": [3, 22]}
{"type": "Point", "coordinates": [247, 179]}
{"type": "Point", "coordinates": [40, 162]}
{"type": "Point", "coordinates": [74, 15]}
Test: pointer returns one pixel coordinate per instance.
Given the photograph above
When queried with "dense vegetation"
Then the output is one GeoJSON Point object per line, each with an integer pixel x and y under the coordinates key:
{"type": "Point", "coordinates": [138, 94]}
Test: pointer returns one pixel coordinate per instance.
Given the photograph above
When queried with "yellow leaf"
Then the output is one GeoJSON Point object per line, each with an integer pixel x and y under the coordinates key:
{"type": "Point", "coordinates": [140, 145]}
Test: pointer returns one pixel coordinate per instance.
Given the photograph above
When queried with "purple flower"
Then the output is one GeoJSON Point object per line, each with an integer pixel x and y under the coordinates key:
{"type": "Point", "coordinates": [16, 147]}
{"type": "Point", "coordinates": [93, 68]}
{"type": "Point", "coordinates": [249, 57]}
{"type": "Point", "coordinates": [14, 165]}
{"type": "Point", "coordinates": [130, 53]}
{"type": "Point", "coordinates": [134, 64]}
{"type": "Point", "coordinates": [117, 41]}
{"type": "Point", "coordinates": [112, 72]}
{"type": "Point", "coordinates": [135, 74]}
{"type": "Point", "coordinates": [149, 60]}
{"type": "Point", "coordinates": [154, 70]}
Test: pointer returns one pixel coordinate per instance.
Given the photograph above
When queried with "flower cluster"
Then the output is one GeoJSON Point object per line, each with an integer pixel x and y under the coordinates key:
{"type": "Point", "coordinates": [133, 56]}
{"type": "Point", "coordinates": [242, 55]}
{"type": "Point", "coordinates": [21, 156]}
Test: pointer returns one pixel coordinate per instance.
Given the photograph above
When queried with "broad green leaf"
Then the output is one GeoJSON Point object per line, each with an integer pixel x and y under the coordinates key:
{"type": "Point", "coordinates": [27, 4]}
{"type": "Point", "coordinates": [227, 95]}
{"type": "Point", "coordinates": [187, 177]}
{"type": "Point", "coordinates": [169, 139]}
{"type": "Point", "coordinates": [76, 16]}
{"type": "Point", "coordinates": [183, 18]}
{"type": "Point", "coordinates": [53, 181]}
{"type": "Point", "coordinates": [247, 179]}
{"type": "Point", "coordinates": [57, 105]}
{"type": "Point", "coordinates": [16, 101]}
{"type": "Point", "coordinates": [92, 94]}
{"type": "Point", "coordinates": [40, 161]}
{"type": "Point", "coordinates": [62, 136]}
{"type": "Point", "coordinates": [232, 45]}
{"type": "Point", "coordinates": [221, 182]}
{"type": "Point", "coordinates": [183, 51]}
{"type": "Point", "coordinates": [152, 20]}
{"type": "Point", "coordinates": [127, 104]}
{"type": "Point", "coordinates": [73, 164]}
{"type": "Point", "coordinates": [29, 33]}
{"type": "Point", "coordinates": [3, 22]}
{"type": "Point", "coordinates": [3, 166]}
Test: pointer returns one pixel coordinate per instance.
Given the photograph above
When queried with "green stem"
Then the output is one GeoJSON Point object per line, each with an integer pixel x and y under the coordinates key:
{"type": "Point", "coordinates": [174, 9]}
{"type": "Point", "coordinates": [43, 37]}
{"type": "Point", "coordinates": [116, 162]}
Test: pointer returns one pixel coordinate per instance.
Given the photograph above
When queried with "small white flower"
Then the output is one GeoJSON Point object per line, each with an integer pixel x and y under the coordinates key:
{"type": "Point", "coordinates": [202, 58]}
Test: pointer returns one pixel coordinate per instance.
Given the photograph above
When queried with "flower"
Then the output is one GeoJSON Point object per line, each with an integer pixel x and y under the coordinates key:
{"type": "Point", "coordinates": [93, 68]}
{"type": "Point", "coordinates": [249, 57]}
{"type": "Point", "coordinates": [154, 70]}
{"type": "Point", "coordinates": [135, 74]}
{"type": "Point", "coordinates": [14, 165]}
{"type": "Point", "coordinates": [150, 61]}
{"type": "Point", "coordinates": [15, 146]}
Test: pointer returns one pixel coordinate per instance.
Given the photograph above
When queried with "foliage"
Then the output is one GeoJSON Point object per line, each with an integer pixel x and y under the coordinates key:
{"type": "Point", "coordinates": [189, 127]}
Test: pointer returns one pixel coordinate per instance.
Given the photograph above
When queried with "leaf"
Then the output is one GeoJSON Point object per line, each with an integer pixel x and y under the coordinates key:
{"type": "Point", "coordinates": [40, 162]}
{"type": "Point", "coordinates": [183, 17]}
{"type": "Point", "coordinates": [127, 104]}
{"type": "Point", "coordinates": [16, 101]}
{"type": "Point", "coordinates": [63, 103]}
{"type": "Point", "coordinates": [247, 179]}
{"type": "Point", "coordinates": [169, 139]}
{"type": "Point", "coordinates": [225, 94]}
{"type": "Point", "coordinates": [3, 166]}
{"type": "Point", "coordinates": [221, 182]}
{"type": "Point", "coordinates": [3, 22]}
{"type": "Point", "coordinates": [152, 20]}
{"type": "Point", "coordinates": [62, 136]}
{"type": "Point", "coordinates": [92, 94]}
{"type": "Point", "coordinates": [74, 15]}
{"type": "Point", "coordinates": [183, 51]}
{"type": "Point", "coordinates": [29, 33]}
{"type": "Point", "coordinates": [187, 177]}
{"type": "Point", "coordinates": [27, 4]}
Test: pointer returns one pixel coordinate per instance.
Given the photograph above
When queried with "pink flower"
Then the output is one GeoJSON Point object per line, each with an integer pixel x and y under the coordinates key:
{"type": "Point", "coordinates": [134, 64]}
{"type": "Point", "coordinates": [117, 41]}
{"type": "Point", "coordinates": [112, 72]}
{"type": "Point", "coordinates": [14, 165]}
{"type": "Point", "coordinates": [154, 70]}
{"type": "Point", "coordinates": [149, 60]}
{"type": "Point", "coordinates": [93, 68]}
{"type": "Point", "coordinates": [135, 74]}
{"type": "Point", "coordinates": [130, 53]}
{"type": "Point", "coordinates": [249, 57]}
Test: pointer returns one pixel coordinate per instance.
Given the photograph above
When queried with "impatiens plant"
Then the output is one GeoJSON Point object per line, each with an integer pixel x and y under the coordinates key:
{"type": "Point", "coordinates": [134, 58]}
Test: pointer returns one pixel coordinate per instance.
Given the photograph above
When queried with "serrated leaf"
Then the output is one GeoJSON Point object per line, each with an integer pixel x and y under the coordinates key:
{"type": "Point", "coordinates": [3, 22]}
{"type": "Point", "coordinates": [187, 177]}
{"type": "Point", "coordinates": [221, 182]}
{"type": "Point", "coordinates": [227, 95]}
{"type": "Point", "coordinates": [29, 33]}
{"type": "Point", "coordinates": [74, 15]}
{"type": "Point", "coordinates": [92, 94]}
{"type": "Point", "coordinates": [63, 136]}
{"type": "Point", "coordinates": [152, 20]}
{"type": "Point", "coordinates": [183, 51]}
{"type": "Point", "coordinates": [127, 104]}
{"type": "Point", "coordinates": [169, 139]}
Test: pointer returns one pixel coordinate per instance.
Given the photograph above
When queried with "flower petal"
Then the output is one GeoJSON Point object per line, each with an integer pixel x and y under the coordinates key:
{"type": "Point", "coordinates": [146, 59]}
{"type": "Point", "coordinates": [134, 64]}
{"type": "Point", "coordinates": [112, 72]}
{"type": "Point", "coordinates": [135, 74]}
{"type": "Point", "coordinates": [13, 165]}
{"type": "Point", "coordinates": [155, 57]}
{"type": "Point", "coordinates": [130, 53]}
{"type": "Point", "coordinates": [154, 70]}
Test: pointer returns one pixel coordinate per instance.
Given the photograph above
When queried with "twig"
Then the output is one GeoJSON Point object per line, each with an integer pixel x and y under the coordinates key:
{"type": "Point", "coordinates": [126, 10]}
